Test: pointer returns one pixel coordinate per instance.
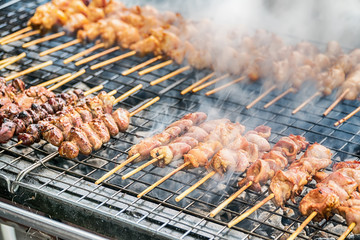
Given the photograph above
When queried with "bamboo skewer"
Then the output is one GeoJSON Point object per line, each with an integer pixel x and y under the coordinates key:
{"type": "Point", "coordinates": [95, 89]}
{"type": "Point", "coordinates": [54, 80]}
{"type": "Point", "coordinates": [306, 102]}
{"type": "Point", "coordinates": [83, 53]}
{"type": "Point", "coordinates": [215, 90]}
{"type": "Point", "coordinates": [114, 170]}
{"type": "Point", "coordinates": [153, 68]}
{"type": "Point", "coordinates": [250, 105]}
{"type": "Point", "coordinates": [97, 55]}
{"type": "Point", "coordinates": [61, 46]}
{"type": "Point", "coordinates": [15, 34]}
{"type": "Point", "coordinates": [113, 92]}
{"type": "Point", "coordinates": [302, 226]}
{"type": "Point", "coordinates": [210, 83]}
{"type": "Point", "coordinates": [167, 76]}
{"type": "Point", "coordinates": [149, 103]}
{"type": "Point", "coordinates": [194, 85]}
{"type": "Point", "coordinates": [43, 39]}
{"type": "Point", "coordinates": [196, 185]}
{"type": "Point", "coordinates": [290, 90]}
{"type": "Point", "coordinates": [162, 180]}
{"type": "Point", "coordinates": [214, 212]}
{"type": "Point", "coordinates": [13, 60]}
{"type": "Point", "coordinates": [350, 115]}
{"type": "Point", "coordinates": [250, 211]}
{"type": "Point", "coordinates": [6, 60]}
{"type": "Point", "coordinates": [112, 60]}
{"type": "Point", "coordinates": [348, 231]}
{"type": "Point", "coordinates": [29, 70]}
{"type": "Point", "coordinates": [138, 169]}
{"type": "Point", "coordinates": [19, 37]}
{"type": "Point", "coordinates": [66, 80]}
{"type": "Point", "coordinates": [336, 102]}
{"type": "Point", "coordinates": [141, 65]}
{"type": "Point", "coordinates": [128, 93]}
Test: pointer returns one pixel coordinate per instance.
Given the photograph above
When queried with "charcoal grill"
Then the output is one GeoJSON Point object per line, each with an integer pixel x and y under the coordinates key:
{"type": "Point", "coordinates": [38, 178]}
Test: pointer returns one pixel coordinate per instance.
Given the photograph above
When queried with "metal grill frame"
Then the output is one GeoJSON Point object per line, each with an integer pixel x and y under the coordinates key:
{"type": "Point", "coordinates": [65, 189]}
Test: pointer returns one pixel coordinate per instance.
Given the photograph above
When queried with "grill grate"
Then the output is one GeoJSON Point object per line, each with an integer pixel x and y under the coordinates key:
{"type": "Point", "coordinates": [64, 188]}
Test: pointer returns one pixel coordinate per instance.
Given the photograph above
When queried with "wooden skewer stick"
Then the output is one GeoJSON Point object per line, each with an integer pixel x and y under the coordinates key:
{"type": "Point", "coordinates": [290, 90]}
{"type": "Point", "coordinates": [141, 65]}
{"type": "Point", "coordinates": [114, 170]}
{"type": "Point", "coordinates": [153, 68]}
{"type": "Point", "coordinates": [113, 92]}
{"type": "Point", "coordinates": [112, 60]}
{"type": "Point", "coordinates": [149, 103]}
{"type": "Point", "coordinates": [215, 90]}
{"type": "Point", "coordinates": [347, 117]}
{"type": "Point", "coordinates": [302, 226]}
{"type": "Point", "coordinates": [54, 80]}
{"type": "Point", "coordinates": [6, 59]}
{"type": "Point", "coordinates": [97, 55]}
{"type": "Point", "coordinates": [348, 231]}
{"type": "Point", "coordinates": [43, 39]}
{"type": "Point", "coordinates": [214, 212]}
{"type": "Point", "coordinates": [194, 85]}
{"type": "Point", "coordinates": [29, 70]}
{"type": "Point", "coordinates": [15, 34]}
{"type": "Point", "coordinates": [306, 102]}
{"type": "Point", "coordinates": [66, 80]}
{"type": "Point", "coordinates": [95, 89]}
{"type": "Point", "coordinates": [167, 76]}
{"type": "Point", "coordinates": [336, 102]}
{"type": "Point", "coordinates": [61, 46]}
{"type": "Point", "coordinates": [138, 169]}
{"type": "Point", "coordinates": [250, 211]}
{"type": "Point", "coordinates": [83, 53]}
{"type": "Point", "coordinates": [128, 93]}
{"type": "Point", "coordinates": [210, 83]}
{"type": "Point", "coordinates": [25, 35]}
{"type": "Point", "coordinates": [16, 144]}
{"type": "Point", "coordinates": [196, 185]}
{"type": "Point", "coordinates": [162, 180]}
{"type": "Point", "coordinates": [13, 60]}
{"type": "Point", "coordinates": [260, 97]}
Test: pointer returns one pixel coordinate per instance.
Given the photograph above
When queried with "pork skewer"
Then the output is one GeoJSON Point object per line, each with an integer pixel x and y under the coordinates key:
{"type": "Point", "coordinates": [198, 157]}
{"type": "Point", "coordinates": [276, 150]}
{"type": "Point", "coordinates": [143, 150]}
{"type": "Point", "coordinates": [331, 194]}
{"type": "Point", "coordinates": [264, 169]}
{"type": "Point", "coordinates": [237, 156]}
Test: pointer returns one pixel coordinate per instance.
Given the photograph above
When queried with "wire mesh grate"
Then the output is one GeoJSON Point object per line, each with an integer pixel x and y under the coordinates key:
{"type": "Point", "coordinates": [69, 184]}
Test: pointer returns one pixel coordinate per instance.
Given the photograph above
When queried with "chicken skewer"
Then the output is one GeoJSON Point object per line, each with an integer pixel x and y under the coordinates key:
{"type": "Point", "coordinates": [223, 135]}
{"type": "Point", "coordinates": [262, 170]}
{"type": "Point", "coordinates": [332, 195]}
{"type": "Point", "coordinates": [237, 156]}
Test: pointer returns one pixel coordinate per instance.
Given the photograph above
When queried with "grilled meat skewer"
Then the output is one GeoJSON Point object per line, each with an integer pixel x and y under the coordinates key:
{"type": "Point", "coordinates": [289, 183]}
{"type": "Point", "coordinates": [171, 132]}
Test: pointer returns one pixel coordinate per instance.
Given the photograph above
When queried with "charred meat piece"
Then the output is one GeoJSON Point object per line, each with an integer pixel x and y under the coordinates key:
{"type": "Point", "coordinates": [94, 139]}
{"type": "Point", "coordinates": [77, 136]}
{"type": "Point", "coordinates": [68, 150]}
{"type": "Point", "coordinates": [100, 129]}
{"type": "Point", "coordinates": [171, 152]}
{"type": "Point", "coordinates": [110, 124]}
{"type": "Point", "coordinates": [7, 130]}
{"type": "Point", "coordinates": [122, 119]}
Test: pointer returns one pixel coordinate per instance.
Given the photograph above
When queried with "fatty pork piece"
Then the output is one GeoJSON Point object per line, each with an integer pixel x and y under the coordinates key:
{"type": "Point", "coordinates": [287, 184]}
{"type": "Point", "coordinates": [332, 191]}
